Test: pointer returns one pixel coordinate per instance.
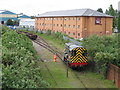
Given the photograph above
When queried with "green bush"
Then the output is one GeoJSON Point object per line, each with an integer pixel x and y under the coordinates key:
{"type": "Point", "coordinates": [56, 36]}
{"type": "Point", "coordinates": [103, 50]}
{"type": "Point", "coordinates": [19, 62]}
{"type": "Point", "coordinates": [48, 32]}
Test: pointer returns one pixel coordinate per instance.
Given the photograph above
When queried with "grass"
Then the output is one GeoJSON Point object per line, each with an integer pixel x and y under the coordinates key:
{"type": "Point", "coordinates": [53, 41]}
{"type": "Point", "coordinates": [58, 71]}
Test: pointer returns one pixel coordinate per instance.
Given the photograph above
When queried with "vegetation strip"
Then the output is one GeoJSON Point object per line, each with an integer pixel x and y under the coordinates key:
{"type": "Point", "coordinates": [52, 40]}
{"type": "Point", "coordinates": [19, 62]}
{"type": "Point", "coordinates": [49, 71]}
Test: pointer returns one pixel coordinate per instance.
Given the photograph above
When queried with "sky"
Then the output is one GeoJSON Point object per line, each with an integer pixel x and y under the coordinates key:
{"type": "Point", "coordinates": [35, 7]}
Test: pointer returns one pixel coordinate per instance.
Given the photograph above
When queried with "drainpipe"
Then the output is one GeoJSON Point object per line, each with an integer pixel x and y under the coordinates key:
{"type": "Point", "coordinates": [105, 25]}
{"type": "Point", "coordinates": [44, 24]}
{"type": "Point", "coordinates": [63, 25]}
{"type": "Point", "coordinates": [76, 27]}
{"type": "Point", "coordinates": [52, 23]}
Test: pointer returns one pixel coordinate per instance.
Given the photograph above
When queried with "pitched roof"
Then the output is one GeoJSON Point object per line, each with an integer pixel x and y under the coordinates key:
{"type": "Point", "coordinates": [29, 20]}
{"type": "Point", "coordinates": [24, 16]}
{"type": "Point", "coordinates": [6, 12]}
{"type": "Point", "coordinates": [76, 12]}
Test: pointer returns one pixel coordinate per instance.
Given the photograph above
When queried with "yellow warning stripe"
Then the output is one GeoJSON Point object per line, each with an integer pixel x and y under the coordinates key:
{"type": "Point", "coordinates": [78, 58]}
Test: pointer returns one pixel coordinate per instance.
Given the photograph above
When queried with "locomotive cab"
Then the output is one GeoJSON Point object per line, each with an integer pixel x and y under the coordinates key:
{"type": "Point", "coordinates": [76, 55]}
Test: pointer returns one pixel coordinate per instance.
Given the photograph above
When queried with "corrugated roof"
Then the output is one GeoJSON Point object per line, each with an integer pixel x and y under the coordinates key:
{"type": "Point", "coordinates": [72, 46]}
{"type": "Point", "coordinates": [32, 20]}
{"type": "Point", "coordinates": [76, 12]}
{"type": "Point", "coordinates": [1, 11]}
{"type": "Point", "coordinates": [24, 16]}
{"type": "Point", "coordinates": [6, 12]}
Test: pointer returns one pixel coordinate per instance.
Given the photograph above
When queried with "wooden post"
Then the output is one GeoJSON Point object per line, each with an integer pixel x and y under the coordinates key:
{"type": "Point", "coordinates": [67, 69]}
{"type": "Point", "coordinates": [67, 66]}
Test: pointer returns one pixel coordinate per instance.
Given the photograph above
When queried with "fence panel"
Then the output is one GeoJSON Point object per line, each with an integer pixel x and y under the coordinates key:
{"type": "Point", "coordinates": [114, 74]}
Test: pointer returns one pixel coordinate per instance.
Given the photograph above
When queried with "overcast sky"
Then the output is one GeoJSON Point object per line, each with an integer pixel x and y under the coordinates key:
{"type": "Point", "coordinates": [35, 7]}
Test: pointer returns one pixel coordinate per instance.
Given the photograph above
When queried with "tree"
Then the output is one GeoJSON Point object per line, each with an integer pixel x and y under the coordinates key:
{"type": "Point", "coordinates": [10, 22]}
{"type": "Point", "coordinates": [100, 10]}
{"type": "Point", "coordinates": [32, 17]}
{"type": "Point", "coordinates": [111, 11]}
{"type": "Point", "coordinates": [107, 12]}
{"type": "Point", "coordinates": [118, 25]}
{"type": "Point", "coordinates": [16, 23]}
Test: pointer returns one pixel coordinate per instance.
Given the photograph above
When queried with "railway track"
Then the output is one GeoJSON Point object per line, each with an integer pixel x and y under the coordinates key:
{"type": "Point", "coordinates": [76, 73]}
{"type": "Point", "coordinates": [40, 41]}
{"type": "Point", "coordinates": [45, 45]}
{"type": "Point", "coordinates": [49, 71]}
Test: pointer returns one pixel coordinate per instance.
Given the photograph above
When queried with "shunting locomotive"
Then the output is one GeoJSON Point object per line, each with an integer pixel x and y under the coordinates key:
{"type": "Point", "coordinates": [75, 55]}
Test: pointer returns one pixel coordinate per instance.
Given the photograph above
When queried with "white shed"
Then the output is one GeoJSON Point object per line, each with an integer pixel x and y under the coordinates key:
{"type": "Point", "coordinates": [27, 23]}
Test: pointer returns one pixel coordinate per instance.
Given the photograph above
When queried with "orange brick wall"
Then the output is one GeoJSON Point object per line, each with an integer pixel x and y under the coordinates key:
{"type": "Point", "coordinates": [77, 27]}
{"type": "Point", "coordinates": [114, 74]}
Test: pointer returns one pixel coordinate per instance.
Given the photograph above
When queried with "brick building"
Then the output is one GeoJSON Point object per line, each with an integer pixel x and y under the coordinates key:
{"type": "Point", "coordinates": [77, 23]}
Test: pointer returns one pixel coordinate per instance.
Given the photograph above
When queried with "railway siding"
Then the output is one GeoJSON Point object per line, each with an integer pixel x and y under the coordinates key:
{"type": "Point", "coordinates": [55, 72]}
{"type": "Point", "coordinates": [58, 71]}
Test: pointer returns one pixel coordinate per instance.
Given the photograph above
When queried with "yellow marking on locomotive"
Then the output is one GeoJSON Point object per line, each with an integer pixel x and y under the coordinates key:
{"type": "Point", "coordinates": [79, 57]}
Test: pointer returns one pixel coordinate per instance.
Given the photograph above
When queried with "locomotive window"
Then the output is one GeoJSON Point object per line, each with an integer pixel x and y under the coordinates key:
{"type": "Point", "coordinates": [85, 53]}
{"type": "Point", "coordinates": [74, 53]}
{"type": "Point", "coordinates": [67, 49]}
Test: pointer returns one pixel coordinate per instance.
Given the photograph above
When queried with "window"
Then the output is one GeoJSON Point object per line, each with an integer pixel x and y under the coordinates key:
{"type": "Point", "coordinates": [73, 53]}
{"type": "Point", "coordinates": [79, 18]}
{"type": "Point", "coordinates": [74, 18]}
{"type": "Point", "coordinates": [73, 33]}
{"type": "Point", "coordinates": [68, 33]}
{"type": "Point", "coordinates": [57, 25]}
{"type": "Point", "coordinates": [48, 18]}
{"type": "Point", "coordinates": [61, 25]}
{"type": "Point", "coordinates": [84, 53]}
{"type": "Point", "coordinates": [54, 24]}
{"type": "Point", "coordinates": [78, 26]}
{"type": "Point", "coordinates": [64, 18]}
{"type": "Point", "coordinates": [64, 25]}
{"type": "Point", "coordinates": [78, 34]}
{"type": "Point", "coordinates": [97, 20]}
{"type": "Point", "coordinates": [73, 26]}
{"type": "Point", "coordinates": [68, 26]}
{"type": "Point", "coordinates": [68, 18]}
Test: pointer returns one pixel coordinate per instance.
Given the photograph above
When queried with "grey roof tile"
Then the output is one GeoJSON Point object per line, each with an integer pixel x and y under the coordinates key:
{"type": "Point", "coordinates": [76, 12]}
